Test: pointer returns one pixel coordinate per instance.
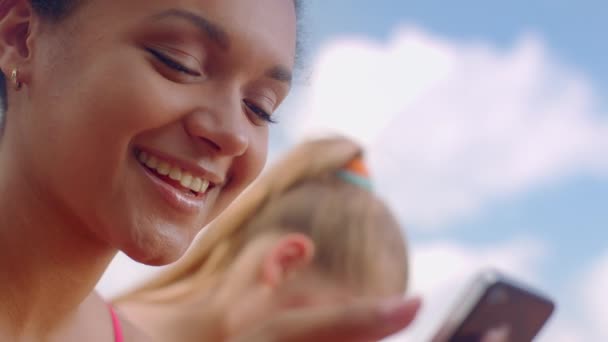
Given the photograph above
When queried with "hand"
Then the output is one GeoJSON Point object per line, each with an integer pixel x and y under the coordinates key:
{"type": "Point", "coordinates": [356, 322]}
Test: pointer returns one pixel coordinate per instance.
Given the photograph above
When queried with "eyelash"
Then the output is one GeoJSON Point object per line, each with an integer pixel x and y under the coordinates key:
{"type": "Point", "coordinates": [171, 63]}
{"type": "Point", "coordinates": [260, 113]}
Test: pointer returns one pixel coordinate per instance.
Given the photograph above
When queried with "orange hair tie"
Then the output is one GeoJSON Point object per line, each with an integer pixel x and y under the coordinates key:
{"type": "Point", "coordinates": [356, 172]}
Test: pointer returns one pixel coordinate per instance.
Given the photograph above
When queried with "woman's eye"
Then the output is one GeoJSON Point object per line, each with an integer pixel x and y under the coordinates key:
{"type": "Point", "coordinates": [172, 63]}
{"type": "Point", "coordinates": [260, 113]}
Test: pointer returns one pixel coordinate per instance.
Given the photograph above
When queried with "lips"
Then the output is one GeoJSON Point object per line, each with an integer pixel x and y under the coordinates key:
{"type": "Point", "coordinates": [174, 175]}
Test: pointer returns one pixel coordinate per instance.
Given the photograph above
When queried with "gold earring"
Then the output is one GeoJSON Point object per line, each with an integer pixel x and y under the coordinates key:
{"type": "Point", "coordinates": [15, 79]}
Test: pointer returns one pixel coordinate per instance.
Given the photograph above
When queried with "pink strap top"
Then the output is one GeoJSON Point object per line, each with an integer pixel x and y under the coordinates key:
{"type": "Point", "coordinates": [118, 337]}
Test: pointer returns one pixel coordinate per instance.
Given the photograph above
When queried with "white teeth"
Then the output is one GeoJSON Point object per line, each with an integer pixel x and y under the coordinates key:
{"type": "Point", "coordinates": [152, 162]}
{"type": "Point", "coordinates": [204, 186]}
{"type": "Point", "coordinates": [175, 174]}
{"type": "Point", "coordinates": [196, 184]}
{"type": "Point", "coordinates": [185, 179]}
{"type": "Point", "coordinates": [163, 168]}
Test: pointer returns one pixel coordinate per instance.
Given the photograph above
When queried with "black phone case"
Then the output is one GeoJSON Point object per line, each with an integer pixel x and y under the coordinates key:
{"type": "Point", "coordinates": [505, 308]}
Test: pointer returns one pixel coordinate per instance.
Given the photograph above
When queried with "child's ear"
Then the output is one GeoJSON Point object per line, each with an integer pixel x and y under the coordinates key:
{"type": "Point", "coordinates": [291, 253]}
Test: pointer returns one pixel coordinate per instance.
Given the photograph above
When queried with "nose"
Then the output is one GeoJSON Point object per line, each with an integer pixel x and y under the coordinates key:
{"type": "Point", "coordinates": [223, 127]}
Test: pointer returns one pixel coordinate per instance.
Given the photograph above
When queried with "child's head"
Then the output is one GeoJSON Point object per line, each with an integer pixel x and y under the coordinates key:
{"type": "Point", "coordinates": [302, 234]}
{"type": "Point", "coordinates": [349, 236]}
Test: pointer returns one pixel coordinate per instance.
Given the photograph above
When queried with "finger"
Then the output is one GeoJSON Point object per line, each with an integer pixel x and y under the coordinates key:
{"type": "Point", "coordinates": [355, 322]}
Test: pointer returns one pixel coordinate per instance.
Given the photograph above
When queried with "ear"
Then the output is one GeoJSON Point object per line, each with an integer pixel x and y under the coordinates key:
{"type": "Point", "coordinates": [290, 254]}
{"type": "Point", "coordinates": [16, 23]}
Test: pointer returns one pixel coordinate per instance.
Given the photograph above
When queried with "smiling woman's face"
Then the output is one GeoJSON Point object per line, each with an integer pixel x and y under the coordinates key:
{"type": "Point", "coordinates": [144, 118]}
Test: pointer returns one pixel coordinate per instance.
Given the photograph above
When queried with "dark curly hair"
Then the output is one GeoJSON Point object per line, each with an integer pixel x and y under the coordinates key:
{"type": "Point", "coordinates": [54, 9]}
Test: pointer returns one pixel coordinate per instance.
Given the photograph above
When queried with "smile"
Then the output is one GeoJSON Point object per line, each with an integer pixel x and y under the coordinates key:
{"type": "Point", "coordinates": [174, 175]}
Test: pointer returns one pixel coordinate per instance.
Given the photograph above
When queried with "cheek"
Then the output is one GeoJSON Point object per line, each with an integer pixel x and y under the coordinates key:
{"type": "Point", "coordinates": [249, 166]}
{"type": "Point", "coordinates": [131, 98]}
{"type": "Point", "coordinates": [78, 139]}
{"type": "Point", "coordinates": [101, 116]}
{"type": "Point", "coordinates": [244, 169]}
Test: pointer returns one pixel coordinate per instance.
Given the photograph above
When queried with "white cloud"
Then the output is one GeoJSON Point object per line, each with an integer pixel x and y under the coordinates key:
{"type": "Point", "coordinates": [452, 126]}
{"type": "Point", "coordinates": [583, 307]}
{"type": "Point", "coordinates": [359, 86]}
{"type": "Point", "coordinates": [564, 330]}
{"type": "Point", "coordinates": [443, 270]}
{"type": "Point", "coordinates": [594, 291]}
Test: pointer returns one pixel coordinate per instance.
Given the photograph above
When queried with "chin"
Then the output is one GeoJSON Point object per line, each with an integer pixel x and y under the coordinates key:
{"type": "Point", "coordinates": [157, 257]}
{"type": "Point", "coordinates": [159, 251]}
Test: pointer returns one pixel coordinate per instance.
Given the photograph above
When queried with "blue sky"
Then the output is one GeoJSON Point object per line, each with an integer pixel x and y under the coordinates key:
{"type": "Point", "coordinates": [574, 30]}
{"type": "Point", "coordinates": [570, 209]}
{"type": "Point", "coordinates": [568, 213]}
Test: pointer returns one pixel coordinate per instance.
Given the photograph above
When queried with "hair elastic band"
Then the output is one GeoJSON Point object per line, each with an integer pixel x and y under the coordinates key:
{"type": "Point", "coordinates": [356, 172]}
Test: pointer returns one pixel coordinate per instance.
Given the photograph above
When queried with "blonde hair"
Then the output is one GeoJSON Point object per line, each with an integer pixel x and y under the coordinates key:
{"type": "Point", "coordinates": [357, 239]}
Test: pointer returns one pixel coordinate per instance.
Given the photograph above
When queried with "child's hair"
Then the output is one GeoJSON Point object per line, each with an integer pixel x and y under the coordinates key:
{"type": "Point", "coordinates": [357, 240]}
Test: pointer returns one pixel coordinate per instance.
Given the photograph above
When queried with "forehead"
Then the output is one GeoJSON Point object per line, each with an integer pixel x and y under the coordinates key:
{"type": "Point", "coordinates": [259, 28]}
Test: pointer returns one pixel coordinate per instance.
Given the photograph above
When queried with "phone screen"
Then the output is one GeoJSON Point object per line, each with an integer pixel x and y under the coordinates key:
{"type": "Point", "coordinates": [504, 313]}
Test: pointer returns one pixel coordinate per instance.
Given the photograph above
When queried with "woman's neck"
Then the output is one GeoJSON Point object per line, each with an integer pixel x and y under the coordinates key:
{"type": "Point", "coordinates": [49, 262]}
{"type": "Point", "coordinates": [179, 312]}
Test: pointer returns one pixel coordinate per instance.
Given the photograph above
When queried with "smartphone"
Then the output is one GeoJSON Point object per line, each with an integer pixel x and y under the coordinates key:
{"type": "Point", "coordinates": [496, 309]}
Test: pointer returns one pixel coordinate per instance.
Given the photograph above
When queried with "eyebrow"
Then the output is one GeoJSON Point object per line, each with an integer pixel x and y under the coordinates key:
{"type": "Point", "coordinates": [280, 73]}
{"type": "Point", "coordinates": [215, 32]}
{"type": "Point", "coordinates": [220, 37]}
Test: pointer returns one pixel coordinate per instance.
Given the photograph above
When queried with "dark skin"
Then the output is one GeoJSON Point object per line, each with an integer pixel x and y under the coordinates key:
{"type": "Point", "coordinates": [194, 86]}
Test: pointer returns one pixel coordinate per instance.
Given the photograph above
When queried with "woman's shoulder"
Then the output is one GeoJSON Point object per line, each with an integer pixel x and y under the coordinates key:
{"type": "Point", "coordinates": [111, 320]}
{"type": "Point", "coordinates": [131, 333]}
